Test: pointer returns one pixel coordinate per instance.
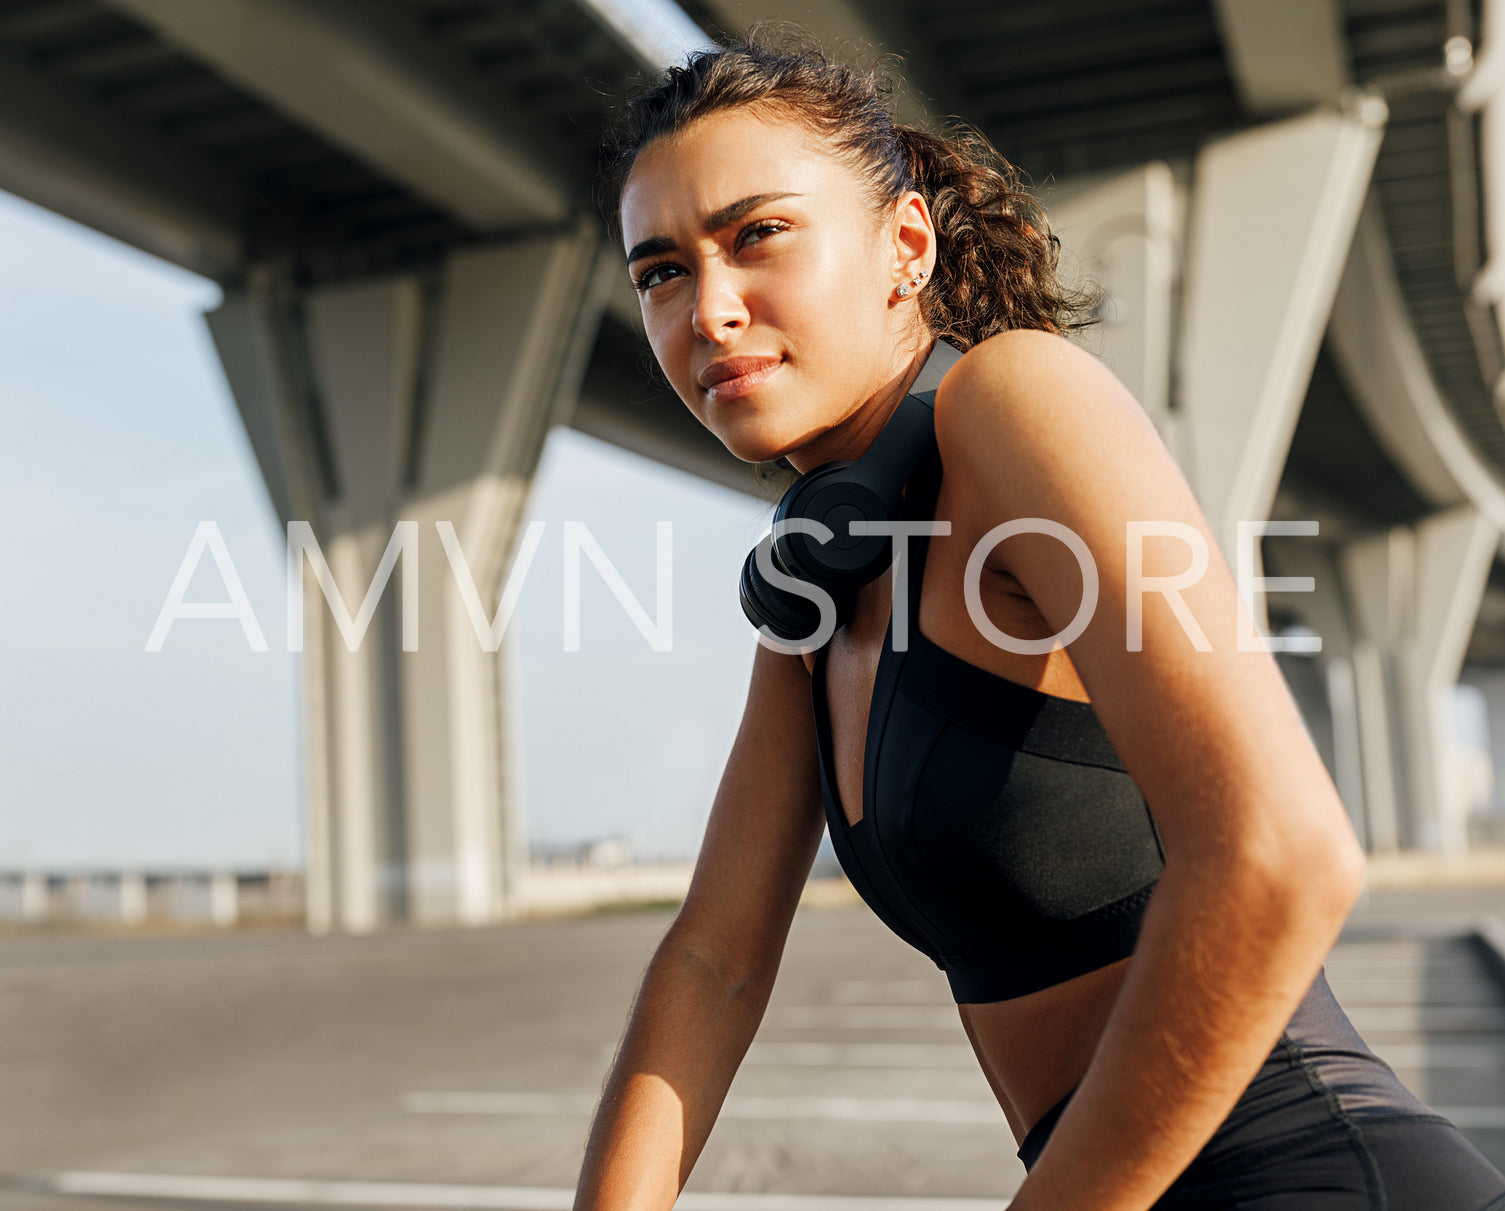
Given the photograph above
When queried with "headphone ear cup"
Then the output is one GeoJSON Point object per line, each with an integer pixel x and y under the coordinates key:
{"type": "Point", "coordinates": [830, 495]}
{"type": "Point", "coordinates": [789, 616]}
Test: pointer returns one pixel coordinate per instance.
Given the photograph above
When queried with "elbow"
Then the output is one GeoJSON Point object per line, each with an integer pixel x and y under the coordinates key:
{"type": "Point", "coordinates": [1342, 872]}
{"type": "Point", "coordinates": [1321, 872]}
{"type": "Point", "coordinates": [1327, 861]}
{"type": "Point", "coordinates": [1313, 873]}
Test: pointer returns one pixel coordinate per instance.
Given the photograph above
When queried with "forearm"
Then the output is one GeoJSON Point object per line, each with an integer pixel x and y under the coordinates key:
{"type": "Point", "coordinates": [686, 1036]}
{"type": "Point", "coordinates": [1223, 959]}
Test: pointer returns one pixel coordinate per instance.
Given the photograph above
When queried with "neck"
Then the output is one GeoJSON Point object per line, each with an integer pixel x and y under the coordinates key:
{"type": "Point", "coordinates": [851, 438]}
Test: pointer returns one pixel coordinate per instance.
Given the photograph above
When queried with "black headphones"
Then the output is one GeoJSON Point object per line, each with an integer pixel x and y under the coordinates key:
{"type": "Point", "coordinates": [832, 496]}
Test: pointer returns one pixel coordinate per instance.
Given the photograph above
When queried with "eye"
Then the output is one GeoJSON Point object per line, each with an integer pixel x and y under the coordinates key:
{"type": "Point", "coordinates": [642, 284]}
{"type": "Point", "coordinates": [766, 225]}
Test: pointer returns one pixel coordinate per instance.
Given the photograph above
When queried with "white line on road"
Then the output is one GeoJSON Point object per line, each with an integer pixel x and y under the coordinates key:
{"type": "Point", "coordinates": [480, 1198]}
{"type": "Point", "coordinates": [828, 1109]}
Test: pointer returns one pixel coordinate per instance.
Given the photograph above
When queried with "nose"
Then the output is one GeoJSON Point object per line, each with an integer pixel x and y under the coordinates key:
{"type": "Point", "coordinates": [719, 306]}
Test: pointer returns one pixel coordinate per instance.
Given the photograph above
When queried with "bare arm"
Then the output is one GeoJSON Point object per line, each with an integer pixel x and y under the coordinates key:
{"type": "Point", "coordinates": [703, 994]}
{"type": "Point", "coordinates": [1261, 864]}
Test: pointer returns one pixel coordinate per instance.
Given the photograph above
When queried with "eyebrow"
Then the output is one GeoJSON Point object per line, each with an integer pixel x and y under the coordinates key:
{"type": "Point", "coordinates": [714, 222]}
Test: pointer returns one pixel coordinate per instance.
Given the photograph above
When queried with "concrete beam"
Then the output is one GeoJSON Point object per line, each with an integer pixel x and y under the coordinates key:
{"type": "Point", "coordinates": [657, 32]}
{"type": "Point", "coordinates": [1285, 55]}
{"type": "Point", "coordinates": [371, 82]}
{"type": "Point", "coordinates": [1386, 371]}
{"type": "Point", "coordinates": [61, 151]}
{"type": "Point", "coordinates": [879, 24]}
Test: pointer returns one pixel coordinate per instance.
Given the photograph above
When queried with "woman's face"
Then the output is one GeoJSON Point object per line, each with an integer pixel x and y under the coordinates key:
{"type": "Point", "coordinates": [794, 274]}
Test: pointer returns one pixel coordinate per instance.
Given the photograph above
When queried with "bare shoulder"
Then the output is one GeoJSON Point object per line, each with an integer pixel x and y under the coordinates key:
{"type": "Point", "coordinates": [1035, 387]}
{"type": "Point", "coordinates": [1027, 423]}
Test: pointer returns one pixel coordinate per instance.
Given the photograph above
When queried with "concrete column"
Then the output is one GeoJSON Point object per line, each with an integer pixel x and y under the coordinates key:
{"type": "Point", "coordinates": [132, 897]}
{"type": "Point", "coordinates": [1373, 571]}
{"type": "Point", "coordinates": [1491, 683]}
{"type": "Point", "coordinates": [402, 417]}
{"type": "Point", "coordinates": [224, 898]}
{"type": "Point", "coordinates": [36, 896]}
{"type": "Point", "coordinates": [1415, 594]}
{"type": "Point", "coordinates": [1454, 551]}
{"type": "Point", "coordinates": [363, 344]}
{"type": "Point", "coordinates": [1273, 210]}
{"type": "Point", "coordinates": [1325, 609]}
{"type": "Point", "coordinates": [1124, 233]}
{"type": "Point", "coordinates": [1348, 753]}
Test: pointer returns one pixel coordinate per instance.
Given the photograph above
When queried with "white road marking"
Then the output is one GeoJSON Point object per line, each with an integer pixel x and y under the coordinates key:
{"type": "Point", "coordinates": [827, 1109]}
{"type": "Point", "coordinates": [481, 1198]}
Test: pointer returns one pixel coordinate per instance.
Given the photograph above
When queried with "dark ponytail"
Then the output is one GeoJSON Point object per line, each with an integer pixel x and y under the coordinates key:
{"type": "Point", "coordinates": [995, 266]}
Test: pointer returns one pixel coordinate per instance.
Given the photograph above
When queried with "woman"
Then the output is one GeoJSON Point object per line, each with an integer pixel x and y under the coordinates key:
{"type": "Point", "coordinates": [1145, 993]}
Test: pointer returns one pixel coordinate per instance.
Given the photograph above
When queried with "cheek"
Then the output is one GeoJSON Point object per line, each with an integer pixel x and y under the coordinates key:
{"type": "Point", "coordinates": [672, 351]}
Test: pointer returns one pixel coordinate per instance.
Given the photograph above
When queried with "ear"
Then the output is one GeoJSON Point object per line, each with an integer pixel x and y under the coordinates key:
{"type": "Point", "coordinates": [913, 234]}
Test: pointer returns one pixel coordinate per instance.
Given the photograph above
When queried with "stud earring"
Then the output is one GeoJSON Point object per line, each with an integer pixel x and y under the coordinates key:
{"type": "Point", "coordinates": [904, 288]}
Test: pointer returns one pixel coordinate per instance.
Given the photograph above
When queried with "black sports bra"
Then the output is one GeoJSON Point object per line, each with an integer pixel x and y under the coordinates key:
{"type": "Point", "coordinates": [1000, 833]}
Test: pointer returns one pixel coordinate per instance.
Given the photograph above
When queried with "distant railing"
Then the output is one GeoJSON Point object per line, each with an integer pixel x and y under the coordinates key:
{"type": "Point", "coordinates": [208, 897]}
{"type": "Point", "coordinates": [553, 883]}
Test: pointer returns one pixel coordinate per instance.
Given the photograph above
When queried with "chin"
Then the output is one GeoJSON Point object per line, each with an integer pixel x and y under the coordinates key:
{"type": "Point", "coordinates": [755, 453]}
{"type": "Point", "coordinates": [752, 443]}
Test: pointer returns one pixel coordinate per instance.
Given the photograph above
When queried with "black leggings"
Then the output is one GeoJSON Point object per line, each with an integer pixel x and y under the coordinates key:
{"type": "Point", "coordinates": [1325, 1125]}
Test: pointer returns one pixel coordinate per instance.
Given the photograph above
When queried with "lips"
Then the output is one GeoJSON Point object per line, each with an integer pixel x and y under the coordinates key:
{"type": "Point", "coordinates": [736, 368]}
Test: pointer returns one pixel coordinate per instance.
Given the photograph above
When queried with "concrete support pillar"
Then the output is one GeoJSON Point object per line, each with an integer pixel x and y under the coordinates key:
{"type": "Point", "coordinates": [132, 897]}
{"type": "Point", "coordinates": [1491, 683]}
{"type": "Point", "coordinates": [402, 417]}
{"type": "Point", "coordinates": [1273, 210]}
{"type": "Point", "coordinates": [1376, 572]}
{"type": "Point", "coordinates": [1454, 551]}
{"type": "Point", "coordinates": [36, 896]}
{"type": "Point", "coordinates": [1415, 594]}
{"type": "Point", "coordinates": [224, 898]}
{"type": "Point", "coordinates": [1124, 233]}
{"type": "Point", "coordinates": [1325, 610]}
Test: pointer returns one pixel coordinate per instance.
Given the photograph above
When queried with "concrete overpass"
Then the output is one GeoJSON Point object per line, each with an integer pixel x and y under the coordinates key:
{"type": "Point", "coordinates": [1297, 207]}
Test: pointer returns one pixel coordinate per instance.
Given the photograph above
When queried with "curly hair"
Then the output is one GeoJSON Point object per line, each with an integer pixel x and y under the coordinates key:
{"type": "Point", "coordinates": [996, 257]}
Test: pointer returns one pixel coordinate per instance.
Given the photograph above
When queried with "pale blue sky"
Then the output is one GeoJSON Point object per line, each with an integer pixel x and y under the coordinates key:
{"type": "Point", "coordinates": [120, 435]}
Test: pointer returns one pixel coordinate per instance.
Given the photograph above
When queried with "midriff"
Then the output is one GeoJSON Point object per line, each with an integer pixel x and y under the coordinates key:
{"type": "Point", "coordinates": [1034, 1049]}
